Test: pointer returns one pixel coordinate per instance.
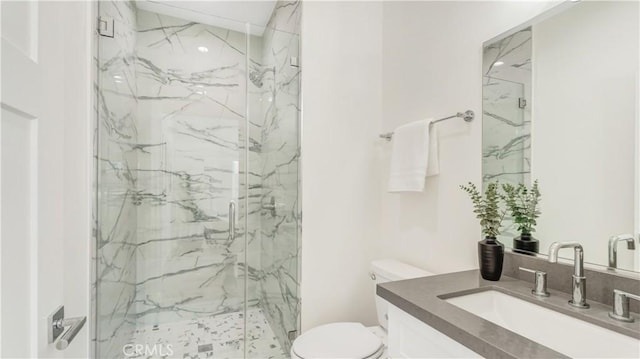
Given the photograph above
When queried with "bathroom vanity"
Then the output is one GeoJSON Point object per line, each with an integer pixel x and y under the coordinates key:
{"type": "Point", "coordinates": [461, 315]}
{"type": "Point", "coordinates": [560, 110]}
{"type": "Point", "coordinates": [409, 337]}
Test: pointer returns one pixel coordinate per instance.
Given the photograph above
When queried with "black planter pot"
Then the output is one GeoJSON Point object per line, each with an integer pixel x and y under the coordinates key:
{"type": "Point", "coordinates": [490, 256]}
{"type": "Point", "coordinates": [525, 244]}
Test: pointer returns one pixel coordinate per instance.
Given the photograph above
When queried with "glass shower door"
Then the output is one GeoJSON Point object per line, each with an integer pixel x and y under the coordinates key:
{"type": "Point", "coordinates": [197, 207]}
{"type": "Point", "coordinates": [172, 121]}
{"type": "Point", "coordinates": [116, 185]}
{"type": "Point", "coordinates": [274, 213]}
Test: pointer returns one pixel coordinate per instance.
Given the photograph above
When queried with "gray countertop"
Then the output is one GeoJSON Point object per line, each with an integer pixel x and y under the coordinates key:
{"type": "Point", "coordinates": [423, 298]}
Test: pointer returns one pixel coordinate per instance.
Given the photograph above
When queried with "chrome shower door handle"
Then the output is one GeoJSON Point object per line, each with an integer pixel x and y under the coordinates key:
{"type": "Point", "coordinates": [232, 220]}
{"type": "Point", "coordinates": [271, 207]}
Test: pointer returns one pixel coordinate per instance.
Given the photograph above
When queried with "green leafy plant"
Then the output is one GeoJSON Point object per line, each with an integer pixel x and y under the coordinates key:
{"type": "Point", "coordinates": [522, 203]}
{"type": "Point", "coordinates": [487, 207]}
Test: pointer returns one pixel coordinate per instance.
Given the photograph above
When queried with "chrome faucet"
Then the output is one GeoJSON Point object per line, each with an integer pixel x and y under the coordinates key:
{"type": "Point", "coordinates": [613, 247]}
{"type": "Point", "coordinates": [579, 282]}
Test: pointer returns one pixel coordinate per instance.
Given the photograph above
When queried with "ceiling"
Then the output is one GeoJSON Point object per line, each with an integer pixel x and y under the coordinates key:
{"type": "Point", "coordinates": [231, 15]}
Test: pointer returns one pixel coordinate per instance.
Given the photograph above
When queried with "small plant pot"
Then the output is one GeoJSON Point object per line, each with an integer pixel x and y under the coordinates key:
{"type": "Point", "coordinates": [525, 244]}
{"type": "Point", "coordinates": [490, 256]}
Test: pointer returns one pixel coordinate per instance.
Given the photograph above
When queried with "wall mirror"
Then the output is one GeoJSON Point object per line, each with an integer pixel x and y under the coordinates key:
{"type": "Point", "coordinates": [560, 106]}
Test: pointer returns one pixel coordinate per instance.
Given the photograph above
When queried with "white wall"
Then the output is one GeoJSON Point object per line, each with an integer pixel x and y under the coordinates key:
{"type": "Point", "coordinates": [432, 67]}
{"type": "Point", "coordinates": [369, 67]}
{"type": "Point", "coordinates": [341, 86]}
{"type": "Point", "coordinates": [78, 168]}
{"type": "Point", "coordinates": [55, 121]}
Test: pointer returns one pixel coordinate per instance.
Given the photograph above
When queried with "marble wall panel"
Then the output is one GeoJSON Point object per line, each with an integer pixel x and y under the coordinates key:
{"type": "Point", "coordinates": [173, 100]}
{"type": "Point", "coordinates": [191, 106]}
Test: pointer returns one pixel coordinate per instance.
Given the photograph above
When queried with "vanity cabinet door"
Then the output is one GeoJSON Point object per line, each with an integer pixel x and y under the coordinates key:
{"type": "Point", "coordinates": [411, 338]}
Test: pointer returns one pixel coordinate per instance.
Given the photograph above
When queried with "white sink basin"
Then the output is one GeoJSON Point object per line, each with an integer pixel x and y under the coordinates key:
{"type": "Point", "coordinates": [562, 333]}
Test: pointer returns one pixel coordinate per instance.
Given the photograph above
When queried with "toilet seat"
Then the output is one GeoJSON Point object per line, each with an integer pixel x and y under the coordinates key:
{"type": "Point", "coordinates": [338, 340]}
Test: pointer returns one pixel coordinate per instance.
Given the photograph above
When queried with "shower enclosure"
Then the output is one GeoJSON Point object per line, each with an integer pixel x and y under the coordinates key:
{"type": "Point", "coordinates": [197, 186]}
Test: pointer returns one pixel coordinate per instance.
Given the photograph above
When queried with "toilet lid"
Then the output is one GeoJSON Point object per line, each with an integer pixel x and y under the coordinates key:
{"type": "Point", "coordinates": [337, 340]}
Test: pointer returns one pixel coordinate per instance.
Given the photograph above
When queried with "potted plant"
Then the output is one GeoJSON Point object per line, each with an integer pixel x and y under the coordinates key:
{"type": "Point", "coordinates": [487, 210]}
{"type": "Point", "coordinates": [522, 203]}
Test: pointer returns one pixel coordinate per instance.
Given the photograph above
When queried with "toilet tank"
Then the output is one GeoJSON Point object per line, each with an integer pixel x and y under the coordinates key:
{"type": "Point", "coordinates": [387, 270]}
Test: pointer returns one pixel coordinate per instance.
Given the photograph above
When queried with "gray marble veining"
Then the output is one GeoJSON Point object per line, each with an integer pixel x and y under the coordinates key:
{"type": "Point", "coordinates": [277, 274]}
{"type": "Point", "coordinates": [116, 213]}
{"type": "Point", "coordinates": [190, 105]}
{"type": "Point", "coordinates": [506, 119]}
{"type": "Point", "coordinates": [176, 114]}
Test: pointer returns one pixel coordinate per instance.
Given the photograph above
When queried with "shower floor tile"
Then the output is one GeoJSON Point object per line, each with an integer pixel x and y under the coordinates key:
{"type": "Point", "coordinates": [219, 336]}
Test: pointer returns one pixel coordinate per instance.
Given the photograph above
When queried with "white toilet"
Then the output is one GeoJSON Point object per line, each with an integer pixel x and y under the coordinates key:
{"type": "Point", "coordinates": [354, 340]}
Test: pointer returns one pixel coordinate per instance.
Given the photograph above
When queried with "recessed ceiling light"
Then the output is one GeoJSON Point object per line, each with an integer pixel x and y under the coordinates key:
{"type": "Point", "coordinates": [498, 63]}
{"type": "Point", "coordinates": [117, 77]}
{"type": "Point", "coordinates": [203, 49]}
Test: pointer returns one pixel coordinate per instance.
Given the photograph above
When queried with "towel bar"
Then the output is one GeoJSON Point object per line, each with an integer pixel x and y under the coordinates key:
{"type": "Point", "coordinates": [467, 116]}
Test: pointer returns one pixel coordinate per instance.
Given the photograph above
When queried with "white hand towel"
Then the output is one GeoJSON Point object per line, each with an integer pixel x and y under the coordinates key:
{"type": "Point", "coordinates": [433, 164]}
{"type": "Point", "coordinates": [410, 157]}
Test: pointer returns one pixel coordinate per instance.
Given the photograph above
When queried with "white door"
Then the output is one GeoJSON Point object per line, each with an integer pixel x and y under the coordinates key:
{"type": "Point", "coordinates": [44, 173]}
